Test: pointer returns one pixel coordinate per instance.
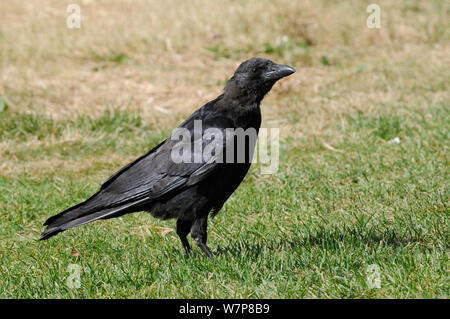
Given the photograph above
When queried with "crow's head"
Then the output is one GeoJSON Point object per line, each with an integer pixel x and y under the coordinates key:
{"type": "Point", "coordinates": [257, 76]}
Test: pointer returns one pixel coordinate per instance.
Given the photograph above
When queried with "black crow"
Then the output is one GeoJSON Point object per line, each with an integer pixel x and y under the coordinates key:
{"type": "Point", "coordinates": [187, 189]}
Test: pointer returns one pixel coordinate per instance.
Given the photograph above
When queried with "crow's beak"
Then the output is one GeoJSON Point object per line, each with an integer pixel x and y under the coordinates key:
{"type": "Point", "coordinates": [279, 71]}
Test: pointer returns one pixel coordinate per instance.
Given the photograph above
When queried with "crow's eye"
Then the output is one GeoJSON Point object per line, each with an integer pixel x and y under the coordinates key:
{"type": "Point", "coordinates": [254, 70]}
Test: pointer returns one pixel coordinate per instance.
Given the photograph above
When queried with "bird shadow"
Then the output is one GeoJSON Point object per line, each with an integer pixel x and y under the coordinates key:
{"type": "Point", "coordinates": [328, 239]}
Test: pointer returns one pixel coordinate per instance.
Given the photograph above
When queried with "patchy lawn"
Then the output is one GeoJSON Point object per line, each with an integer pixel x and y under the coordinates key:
{"type": "Point", "coordinates": [362, 187]}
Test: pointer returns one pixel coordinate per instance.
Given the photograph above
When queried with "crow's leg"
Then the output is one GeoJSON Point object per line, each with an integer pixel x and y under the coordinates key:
{"type": "Point", "coordinates": [199, 234]}
{"type": "Point", "coordinates": [183, 229]}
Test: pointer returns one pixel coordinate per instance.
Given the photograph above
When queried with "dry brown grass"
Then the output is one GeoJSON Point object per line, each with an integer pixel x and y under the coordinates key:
{"type": "Point", "coordinates": [171, 69]}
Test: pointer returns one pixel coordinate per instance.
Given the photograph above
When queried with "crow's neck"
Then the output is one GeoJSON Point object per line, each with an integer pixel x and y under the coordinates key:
{"type": "Point", "coordinates": [246, 97]}
{"type": "Point", "coordinates": [242, 107]}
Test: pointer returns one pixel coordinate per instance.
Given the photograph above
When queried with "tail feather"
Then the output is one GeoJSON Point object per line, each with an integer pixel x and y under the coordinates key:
{"type": "Point", "coordinates": [94, 203]}
{"type": "Point", "coordinates": [82, 214]}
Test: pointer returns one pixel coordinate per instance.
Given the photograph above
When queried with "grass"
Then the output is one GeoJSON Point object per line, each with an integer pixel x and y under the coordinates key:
{"type": "Point", "coordinates": [363, 177]}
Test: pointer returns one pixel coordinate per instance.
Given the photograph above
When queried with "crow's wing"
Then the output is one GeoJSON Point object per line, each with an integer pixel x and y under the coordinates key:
{"type": "Point", "coordinates": [158, 173]}
{"type": "Point", "coordinates": [151, 176]}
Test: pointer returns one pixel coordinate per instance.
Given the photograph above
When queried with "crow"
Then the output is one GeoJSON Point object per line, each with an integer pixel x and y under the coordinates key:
{"type": "Point", "coordinates": [189, 187]}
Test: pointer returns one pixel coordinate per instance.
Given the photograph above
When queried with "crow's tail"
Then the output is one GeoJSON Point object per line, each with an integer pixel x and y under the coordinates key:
{"type": "Point", "coordinates": [84, 213]}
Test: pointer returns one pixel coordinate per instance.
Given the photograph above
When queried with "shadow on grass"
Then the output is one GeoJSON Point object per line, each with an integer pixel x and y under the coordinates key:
{"type": "Point", "coordinates": [329, 239]}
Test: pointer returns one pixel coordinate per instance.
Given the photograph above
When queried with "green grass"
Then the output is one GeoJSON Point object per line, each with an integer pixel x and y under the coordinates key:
{"type": "Point", "coordinates": [311, 230]}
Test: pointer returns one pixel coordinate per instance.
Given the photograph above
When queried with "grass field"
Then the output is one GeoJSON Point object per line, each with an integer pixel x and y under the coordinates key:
{"type": "Point", "coordinates": [364, 162]}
